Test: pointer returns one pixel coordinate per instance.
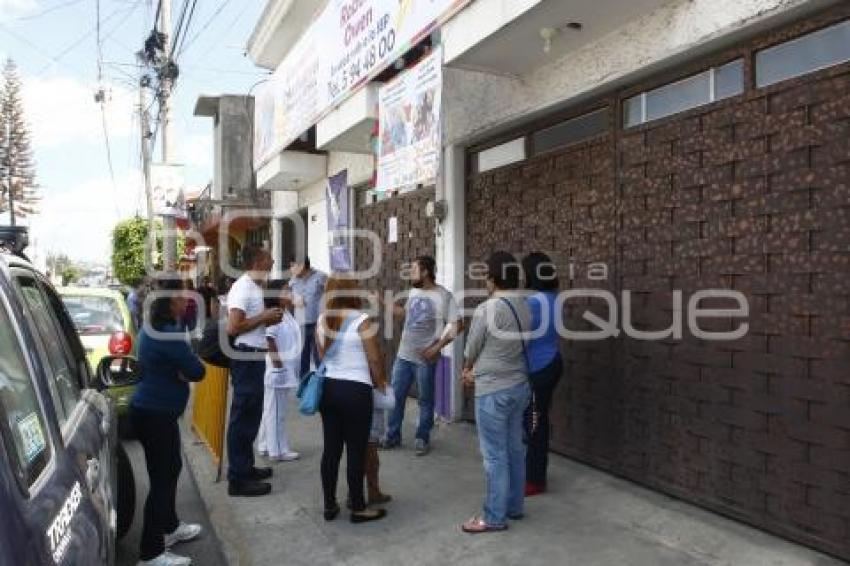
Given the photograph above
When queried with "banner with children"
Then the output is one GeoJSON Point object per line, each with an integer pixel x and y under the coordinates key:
{"type": "Point", "coordinates": [410, 132]}
{"type": "Point", "coordinates": [348, 44]}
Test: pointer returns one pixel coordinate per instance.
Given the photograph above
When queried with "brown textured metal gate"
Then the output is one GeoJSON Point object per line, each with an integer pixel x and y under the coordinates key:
{"type": "Point", "coordinates": [561, 204]}
{"type": "Point", "coordinates": [415, 238]}
{"type": "Point", "coordinates": [752, 195]}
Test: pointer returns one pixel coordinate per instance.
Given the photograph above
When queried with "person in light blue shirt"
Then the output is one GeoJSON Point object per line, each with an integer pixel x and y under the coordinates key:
{"type": "Point", "coordinates": [308, 287]}
{"type": "Point", "coordinates": [545, 365]}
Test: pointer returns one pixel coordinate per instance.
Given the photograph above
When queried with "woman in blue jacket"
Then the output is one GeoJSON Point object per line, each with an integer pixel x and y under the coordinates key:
{"type": "Point", "coordinates": [167, 366]}
{"type": "Point", "coordinates": [544, 365]}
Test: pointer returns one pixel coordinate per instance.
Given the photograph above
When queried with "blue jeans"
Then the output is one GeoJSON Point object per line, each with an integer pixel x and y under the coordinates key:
{"type": "Point", "coordinates": [404, 372]}
{"type": "Point", "coordinates": [499, 417]}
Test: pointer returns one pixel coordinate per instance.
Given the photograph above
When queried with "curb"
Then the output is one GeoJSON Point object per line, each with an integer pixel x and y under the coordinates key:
{"type": "Point", "coordinates": [215, 499]}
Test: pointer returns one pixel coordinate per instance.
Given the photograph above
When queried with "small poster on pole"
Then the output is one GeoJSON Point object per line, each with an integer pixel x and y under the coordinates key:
{"type": "Point", "coordinates": [392, 230]}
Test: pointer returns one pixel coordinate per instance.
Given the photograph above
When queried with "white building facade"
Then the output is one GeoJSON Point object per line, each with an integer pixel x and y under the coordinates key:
{"type": "Point", "coordinates": [682, 144]}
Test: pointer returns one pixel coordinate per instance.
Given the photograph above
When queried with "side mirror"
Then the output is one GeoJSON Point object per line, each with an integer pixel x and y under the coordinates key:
{"type": "Point", "coordinates": [118, 371]}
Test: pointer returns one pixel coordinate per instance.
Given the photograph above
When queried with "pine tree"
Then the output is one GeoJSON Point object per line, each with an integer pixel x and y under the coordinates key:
{"type": "Point", "coordinates": [17, 166]}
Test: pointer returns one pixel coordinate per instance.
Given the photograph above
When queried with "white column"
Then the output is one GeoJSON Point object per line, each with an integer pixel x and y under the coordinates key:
{"type": "Point", "coordinates": [450, 253]}
{"type": "Point", "coordinates": [169, 245]}
{"type": "Point", "coordinates": [277, 248]}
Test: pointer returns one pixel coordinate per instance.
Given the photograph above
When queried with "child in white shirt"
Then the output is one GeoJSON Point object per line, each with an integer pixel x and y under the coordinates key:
{"type": "Point", "coordinates": [283, 364]}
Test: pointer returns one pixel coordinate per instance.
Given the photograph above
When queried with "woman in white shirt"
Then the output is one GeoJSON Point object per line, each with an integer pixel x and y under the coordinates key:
{"type": "Point", "coordinates": [353, 369]}
{"type": "Point", "coordinates": [283, 364]}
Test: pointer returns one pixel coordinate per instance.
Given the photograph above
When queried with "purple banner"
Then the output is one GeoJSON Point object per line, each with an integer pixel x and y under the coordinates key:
{"type": "Point", "coordinates": [337, 201]}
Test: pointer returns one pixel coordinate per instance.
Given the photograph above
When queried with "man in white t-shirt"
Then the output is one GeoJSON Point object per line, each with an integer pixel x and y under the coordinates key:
{"type": "Point", "coordinates": [246, 322]}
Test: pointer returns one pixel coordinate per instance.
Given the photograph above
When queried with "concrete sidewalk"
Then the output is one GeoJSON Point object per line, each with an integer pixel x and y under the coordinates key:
{"type": "Point", "coordinates": [588, 517]}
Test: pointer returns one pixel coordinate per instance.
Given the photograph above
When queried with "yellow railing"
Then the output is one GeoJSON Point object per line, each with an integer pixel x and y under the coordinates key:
{"type": "Point", "coordinates": [210, 410]}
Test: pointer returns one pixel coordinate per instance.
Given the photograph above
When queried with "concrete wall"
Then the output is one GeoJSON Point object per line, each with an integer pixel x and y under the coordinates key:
{"type": "Point", "coordinates": [234, 136]}
{"type": "Point", "coordinates": [359, 166]}
{"type": "Point", "coordinates": [312, 197]}
{"type": "Point", "coordinates": [317, 236]}
{"type": "Point", "coordinates": [359, 171]}
{"type": "Point", "coordinates": [476, 102]}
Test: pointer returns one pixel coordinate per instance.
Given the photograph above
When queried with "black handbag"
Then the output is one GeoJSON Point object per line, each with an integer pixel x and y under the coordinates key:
{"type": "Point", "coordinates": [210, 347]}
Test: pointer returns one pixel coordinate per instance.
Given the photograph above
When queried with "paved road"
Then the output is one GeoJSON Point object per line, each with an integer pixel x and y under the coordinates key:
{"type": "Point", "coordinates": [206, 551]}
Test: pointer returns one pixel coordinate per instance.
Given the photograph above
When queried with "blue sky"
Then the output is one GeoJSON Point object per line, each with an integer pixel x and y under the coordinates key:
{"type": "Point", "coordinates": [53, 43]}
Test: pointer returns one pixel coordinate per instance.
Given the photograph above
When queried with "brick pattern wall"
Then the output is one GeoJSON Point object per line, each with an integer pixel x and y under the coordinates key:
{"type": "Point", "coordinates": [563, 205]}
{"type": "Point", "coordinates": [750, 195]}
{"type": "Point", "coordinates": [416, 236]}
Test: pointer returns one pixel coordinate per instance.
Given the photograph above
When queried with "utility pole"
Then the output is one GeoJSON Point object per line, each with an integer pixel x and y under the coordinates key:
{"type": "Point", "coordinates": [146, 165]}
{"type": "Point", "coordinates": [169, 260]}
{"type": "Point", "coordinates": [167, 83]}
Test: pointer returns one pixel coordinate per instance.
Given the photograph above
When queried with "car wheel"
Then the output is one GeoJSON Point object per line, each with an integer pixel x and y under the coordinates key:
{"type": "Point", "coordinates": [126, 492]}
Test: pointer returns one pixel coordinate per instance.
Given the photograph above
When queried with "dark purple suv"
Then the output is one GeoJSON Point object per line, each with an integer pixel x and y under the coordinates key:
{"type": "Point", "coordinates": [59, 453]}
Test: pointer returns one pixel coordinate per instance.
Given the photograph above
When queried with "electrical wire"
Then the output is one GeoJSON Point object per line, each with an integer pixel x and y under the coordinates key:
{"type": "Point", "coordinates": [126, 75]}
{"type": "Point", "coordinates": [32, 45]}
{"type": "Point", "coordinates": [179, 28]}
{"type": "Point", "coordinates": [102, 101]}
{"type": "Point", "coordinates": [206, 25]}
{"type": "Point", "coordinates": [109, 160]}
{"type": "Point", "coordinates": [118, 25]}
{"type": "Point", "coordinates": [47, 11]}
{"type": "Point", "coordinates": [220, 39]}
{"type": "Point", "coordinates": [185, 29]}
{"type": "Point", "coordinates": [99, 44]}
{"type": "Point", "coordinates": [156, 16]}
{"type": "Point", "coordinates": [58, 57]}
{"type": "Point", "coordinates": [254, 73]}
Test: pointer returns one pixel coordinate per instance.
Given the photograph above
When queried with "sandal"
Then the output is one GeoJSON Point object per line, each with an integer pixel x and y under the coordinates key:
{"type": "Point", "coordinates": [368, 515]}
{"type": "Point", "coordinates": [476, 525]}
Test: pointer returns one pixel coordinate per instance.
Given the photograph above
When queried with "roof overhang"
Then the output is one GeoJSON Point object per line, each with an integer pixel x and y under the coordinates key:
{"type": "Point", "coordinates": [292, 171]}
{"type": "Point", "coordinates": [238, 225]}
{"type": "Point", "coordinates": [281, 24]}
{"type": "Point", "coordinates": [349, 127]}
{"type": "Point", "coordinates": [507, 36]}
{"type": "Point", "coordinates": [207, 105]}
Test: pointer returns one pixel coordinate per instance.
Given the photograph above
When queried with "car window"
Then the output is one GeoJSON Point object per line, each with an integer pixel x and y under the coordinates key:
{"type": "Point", "coordinates": [78, 352]}
{"type": "Point", "coordinates": [22, 421]}
{"type": "Point", "coordinates": [64, 379]}
{"type": "Point", "coordinates": [94, 315]}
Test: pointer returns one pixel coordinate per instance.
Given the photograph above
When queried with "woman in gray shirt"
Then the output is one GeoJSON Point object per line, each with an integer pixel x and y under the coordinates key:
{"type": "Point", "coordinates": [496, 365]}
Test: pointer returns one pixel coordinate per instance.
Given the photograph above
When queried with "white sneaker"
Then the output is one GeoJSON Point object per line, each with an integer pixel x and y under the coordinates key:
{"type": "Point", "coordinates": [286, 457]}
{"type": "Point", "coordinates": [183, 533]}
{"type": "Point", "coordinates": [167, 559]}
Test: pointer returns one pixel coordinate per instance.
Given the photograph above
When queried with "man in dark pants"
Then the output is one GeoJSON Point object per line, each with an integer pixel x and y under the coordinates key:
{"type": "Point", "coordinates": [308, 286]}
{"type": "Point", "coordinates": [247, 320]}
